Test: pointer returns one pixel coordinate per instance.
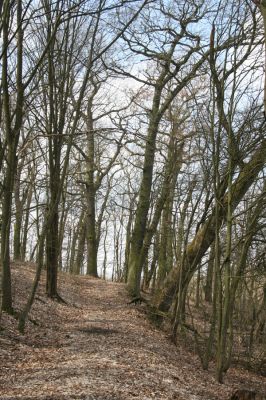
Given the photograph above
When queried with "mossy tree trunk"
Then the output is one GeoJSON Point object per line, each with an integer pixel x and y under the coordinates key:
{"type": "Point", "coordinates": [203, 239]}
{"type": "Point", "coordinates": [173, 166]}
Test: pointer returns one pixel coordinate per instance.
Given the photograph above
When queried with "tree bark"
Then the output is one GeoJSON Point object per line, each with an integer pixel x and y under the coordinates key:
{"type": "Point", "coordinates": [12, 138]}
{"type": "Point", "coordinates": [90, 199]}
{"type": "Point", "coordinates": [205, 235]}
{"type": "Point", "coordinates": [138, 234]}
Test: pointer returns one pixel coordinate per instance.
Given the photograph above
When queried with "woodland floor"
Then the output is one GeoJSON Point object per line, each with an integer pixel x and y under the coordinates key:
{"type": "Point", "coordinates": [99, 347]}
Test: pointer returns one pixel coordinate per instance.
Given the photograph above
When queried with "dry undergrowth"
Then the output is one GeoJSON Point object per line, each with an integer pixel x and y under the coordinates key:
{"type": "Point", "coordinates": [99, 347]}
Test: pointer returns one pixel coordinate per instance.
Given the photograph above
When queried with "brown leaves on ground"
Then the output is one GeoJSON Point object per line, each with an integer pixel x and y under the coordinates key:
{"type": "Point", "coordinates": [99, 347]}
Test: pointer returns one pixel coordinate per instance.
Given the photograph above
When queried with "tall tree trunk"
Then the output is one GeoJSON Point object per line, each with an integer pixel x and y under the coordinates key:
{"type": "Point", "coordinates": [90, 198]}
{"type": "Point", "coordinates": [173, 165]}
{"type": "Point", "coordinates": [12, 138]}
{"type": "Point", "coordinates": [52, 247]}
{"type": "Point", "coordinates": [224, 311]}
{"type": "Point", "coordinates": [128, 238]}
{"type": "Point", "coordinates": [209, 276]}
{"type": "Point", "coordinates": [104, 267]}
{"type": "Point", "coordinates": [151, 274]}
{"type": "Point", "coordinates": [62, 226]}
{"type": "Point", "coordinates": [82, 232]}
{"type": "Point", "coordinates": [5, 231]}
{"type": "Point", "coordinates": [17, 226]}
{"type": "Point", "coordinates": [165, 256]}
{"type": "Point", "coordinates": [26, 224]}
{"type": "Point", "coordinates": [20, 200]}
{"type": "Point", "coordinates": [138, 234]}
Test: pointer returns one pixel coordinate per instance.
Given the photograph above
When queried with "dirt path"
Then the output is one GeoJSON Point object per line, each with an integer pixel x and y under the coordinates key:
{"type": "Point", "coordinates": [100, 349]}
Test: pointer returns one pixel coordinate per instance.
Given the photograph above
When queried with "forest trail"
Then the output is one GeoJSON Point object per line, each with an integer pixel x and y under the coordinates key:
{"type": "Point", "coordinates": [99, 347]}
